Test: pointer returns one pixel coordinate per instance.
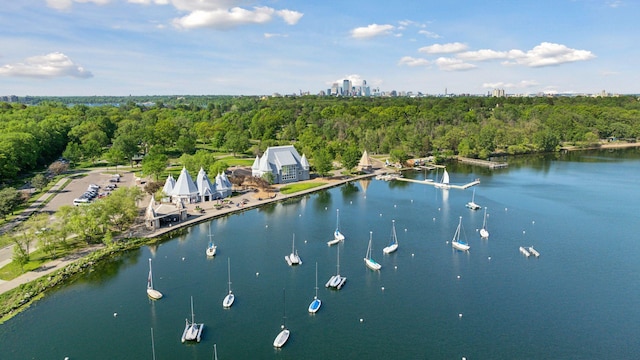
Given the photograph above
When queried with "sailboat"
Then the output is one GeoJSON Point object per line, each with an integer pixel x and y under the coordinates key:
{"type": "Point", "coordinates": [336, 281]}
{"type": "Point", "coordinates": [484, 233]}
{"type": "Point", "coordinates": [444, 182]}
{"type": "Point", "coordinates": [293, 258]}
{"type": "Point", "coordinates": [393, 246]}
{"type": "Point", "coordinates": [230, 298]}
{"type": "Point", "coordinates": [151, 292]}
{"type": "Point", "coordinates": [316, 303]}
{"type": "Point", "coordinates": [471, 204]}
{"type": "Point", "coordinates": [192, 330]}
{"type": "Point", "coordinates": [283, 336]}
{"type": "Point", "coordinates": [368, 260]}
{"type": "Point", "coordinates": [337, 235]}
{"type": "Point", "coordinates": [211, 247]}
{"type": "Point", "coordinates": [456, 242]}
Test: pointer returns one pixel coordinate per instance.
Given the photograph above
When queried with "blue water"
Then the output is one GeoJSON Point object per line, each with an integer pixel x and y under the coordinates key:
{"type": "Point", "coordinates": [577, 301]}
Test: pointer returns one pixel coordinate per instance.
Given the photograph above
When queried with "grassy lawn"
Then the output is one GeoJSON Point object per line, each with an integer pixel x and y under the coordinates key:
{"type": "Point", "coordinates": [294, 188]}
{"type": "Point", "coordinates": [37, 258]}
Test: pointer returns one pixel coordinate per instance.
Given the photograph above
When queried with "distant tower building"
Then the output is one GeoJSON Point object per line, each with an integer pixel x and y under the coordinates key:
{"type": "Point", "coordinates": [365, 88]}
{"type": "Point", "coordinates": [498, 93]}
{"type": "Point", "coordinates": [346, 87]}
{"type": "Point", "coordinates": [335, 89]}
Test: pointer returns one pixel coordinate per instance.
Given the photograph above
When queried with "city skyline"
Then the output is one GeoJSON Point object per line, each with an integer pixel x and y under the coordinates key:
{"type": "Point", "coordinates": [245, 47]}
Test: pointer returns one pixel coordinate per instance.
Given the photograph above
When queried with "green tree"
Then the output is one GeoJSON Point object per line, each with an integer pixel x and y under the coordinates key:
{"type": "Point", "coordinates": [10, 198]}
{"type": "Point", "coordinates": [322, 162]}
{"type": "Point", "coordinates": [39, 181]}
{"type": "Point", "coordinates": [115, 157]}
{"type": "Point", "coordinates": [237, 142]}
{"type": "Point", "coordinates": [72, 152]}
{"type": "Point", "coordinates": [351, 157]}
{"type": "Point", "coordinates": [154, 164]}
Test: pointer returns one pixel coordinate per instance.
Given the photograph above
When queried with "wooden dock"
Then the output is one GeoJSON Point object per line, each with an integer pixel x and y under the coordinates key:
{"type": "Point", "coordinates": [485, 163]}
{"type": "Point", "coordinates": [433, 183]}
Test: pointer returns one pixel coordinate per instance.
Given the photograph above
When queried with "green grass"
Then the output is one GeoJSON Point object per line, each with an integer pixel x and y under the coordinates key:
{"type": "Point", "coordinates": [294, 188]}
{"type": "Point", "coordinates": [37, 259]}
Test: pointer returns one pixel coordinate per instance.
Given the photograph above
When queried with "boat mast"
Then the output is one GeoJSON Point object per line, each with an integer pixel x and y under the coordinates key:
{"type": "Point", "coordinates": [193, 317]}
{"type": "Point", "coordinates": [150, 285]}
{"type": "Point", "coordinates": [229, 273]}
{"type": "Point", "coordinates": [316, 281]}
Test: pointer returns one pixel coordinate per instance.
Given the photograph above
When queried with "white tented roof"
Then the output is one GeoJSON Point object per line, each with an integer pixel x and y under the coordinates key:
{"type": "Point", "coordinates": [169, 185]}
{"type": "Point", "coordinates": [184, 185]}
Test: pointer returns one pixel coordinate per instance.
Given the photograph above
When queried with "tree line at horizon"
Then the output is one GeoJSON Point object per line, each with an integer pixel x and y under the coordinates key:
{"type": "Point", "coordinates": [323, 128]}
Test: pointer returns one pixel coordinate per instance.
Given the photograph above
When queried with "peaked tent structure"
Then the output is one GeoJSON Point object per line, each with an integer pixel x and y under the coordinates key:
{"type": "Point", "coordinates": [185, 190]}
{"type": "Point", "coordinates": [365, 162]}
{"type": "Point", "coordinates": [223, 186]}
{"type": "Point", "coordinates": [168, 187]}
{"type": "Point", "coordinates": [284, 162]}
{"type": "Point", "coordinates": [206, 190]}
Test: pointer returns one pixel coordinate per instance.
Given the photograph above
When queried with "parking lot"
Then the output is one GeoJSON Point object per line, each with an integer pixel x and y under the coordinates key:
{"type": "Point", "coordinates": [79, 186]}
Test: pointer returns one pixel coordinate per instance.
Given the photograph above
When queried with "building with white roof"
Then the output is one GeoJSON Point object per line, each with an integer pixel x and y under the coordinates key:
{"type": "Point", "coordinates": [185, 189]}
{"type": "Point", "coordinates": [284, 163]}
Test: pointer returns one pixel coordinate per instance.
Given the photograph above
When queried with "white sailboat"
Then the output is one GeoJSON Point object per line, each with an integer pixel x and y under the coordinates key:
{"type": "Point", "coordinates": [316, 303]}
{"type": "Point", "coordinates": [484, 233]}
{"type": "Point", "coordinates": [283, 336]}
{"type": "Point", "coordinates": [151, 292]}
{"type": "Point", "coordinates": [192, 330]}
{"type": "Point", "coordinates": [336, 281]}
{"type": "Point", "coordinates": [368, 260]}
{"type": "Point", "coordinates": [211, 247]}
{"type": "Point", "coordinates": [293, 258]}
{"type": "Point", "coordinates": [393, 246]}
{"type": "Point", "coordinates": [456, 242]}
{"type": "Point", "coordinates": [230, 298]}
{"type": "Point", "coordinates": [471, 204]}
{"type": "Point", "coordinates": [444, 182]}
{"type": "Point", "coordinates": [337, 235]}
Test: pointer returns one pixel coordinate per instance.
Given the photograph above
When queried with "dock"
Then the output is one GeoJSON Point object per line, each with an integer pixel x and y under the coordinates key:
{"type": "Point", "coordinates": [524, 251]}
{"type": "Point", "coordinates": [433, 183]}
{"type": "Point", "coordinates": [534, 252]}
{"type": "Point", "coordinates": [485, 163]}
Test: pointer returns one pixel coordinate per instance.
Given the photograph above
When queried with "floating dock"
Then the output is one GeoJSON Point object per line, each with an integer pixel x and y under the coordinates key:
{"type": "Point", "coordinates": [485, 163]}
{"type": "Point", "coordinates": [524, 251]}
{"type": "Point", "coordinates": [534, 252]}
{"type": "Point", "coordinates": [433, 183]}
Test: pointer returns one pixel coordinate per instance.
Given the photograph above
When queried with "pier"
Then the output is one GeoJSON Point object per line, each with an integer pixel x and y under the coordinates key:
{"type": "Point", "coordinates": [485, 163]}
{"type": "Point", "coordinates": [433, 183]}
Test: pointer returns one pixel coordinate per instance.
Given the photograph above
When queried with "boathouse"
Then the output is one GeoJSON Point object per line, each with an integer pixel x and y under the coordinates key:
{"type": "Point", "coordinates": [284, 163]}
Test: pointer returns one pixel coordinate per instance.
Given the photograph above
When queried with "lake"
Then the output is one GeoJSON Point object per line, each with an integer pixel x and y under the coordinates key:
{"type": "Point", "coordinates": [578, 300]}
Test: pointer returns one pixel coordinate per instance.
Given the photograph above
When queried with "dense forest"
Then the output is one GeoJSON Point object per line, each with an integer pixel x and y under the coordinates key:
{"type": "Point", "coordinates": [117, 129]}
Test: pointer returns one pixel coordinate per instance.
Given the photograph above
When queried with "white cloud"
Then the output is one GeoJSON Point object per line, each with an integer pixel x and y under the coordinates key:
{"type": "Point", "coordinates": [614, 4]}
{"type": "Point", "coordinates": [65, 4]}
{"type": "Point", "coordinates": [228, 18]}
{"type": "Point", "coordinates": [482, 55]}
{"type": "Point", "coordinates": [453, 64]}
{"type": "Point", "coordinates": [45, 66]}
{"type": "Point", "coordinates": [549, 54]}
{"type": "Point", "coordinates": [289, 16]}
{"type": "Point", "coordinates": [411, 61]}
{"type": "Point", "coordinates": [271, 35]}
{"type": "Point", "coordinates": [429, 34]}
{"type": "Point", "coordinates": [371, 31]}
{"type": "Point", "coordinates": [443, 48]}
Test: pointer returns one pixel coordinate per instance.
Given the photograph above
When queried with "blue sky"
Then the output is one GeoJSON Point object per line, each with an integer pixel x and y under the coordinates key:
{"type": "Point", "coordinates": [244, 47]}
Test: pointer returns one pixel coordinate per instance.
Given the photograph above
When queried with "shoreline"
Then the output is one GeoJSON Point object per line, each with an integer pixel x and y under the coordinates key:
{"type": "Point", "coordinates": [20, 292]}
